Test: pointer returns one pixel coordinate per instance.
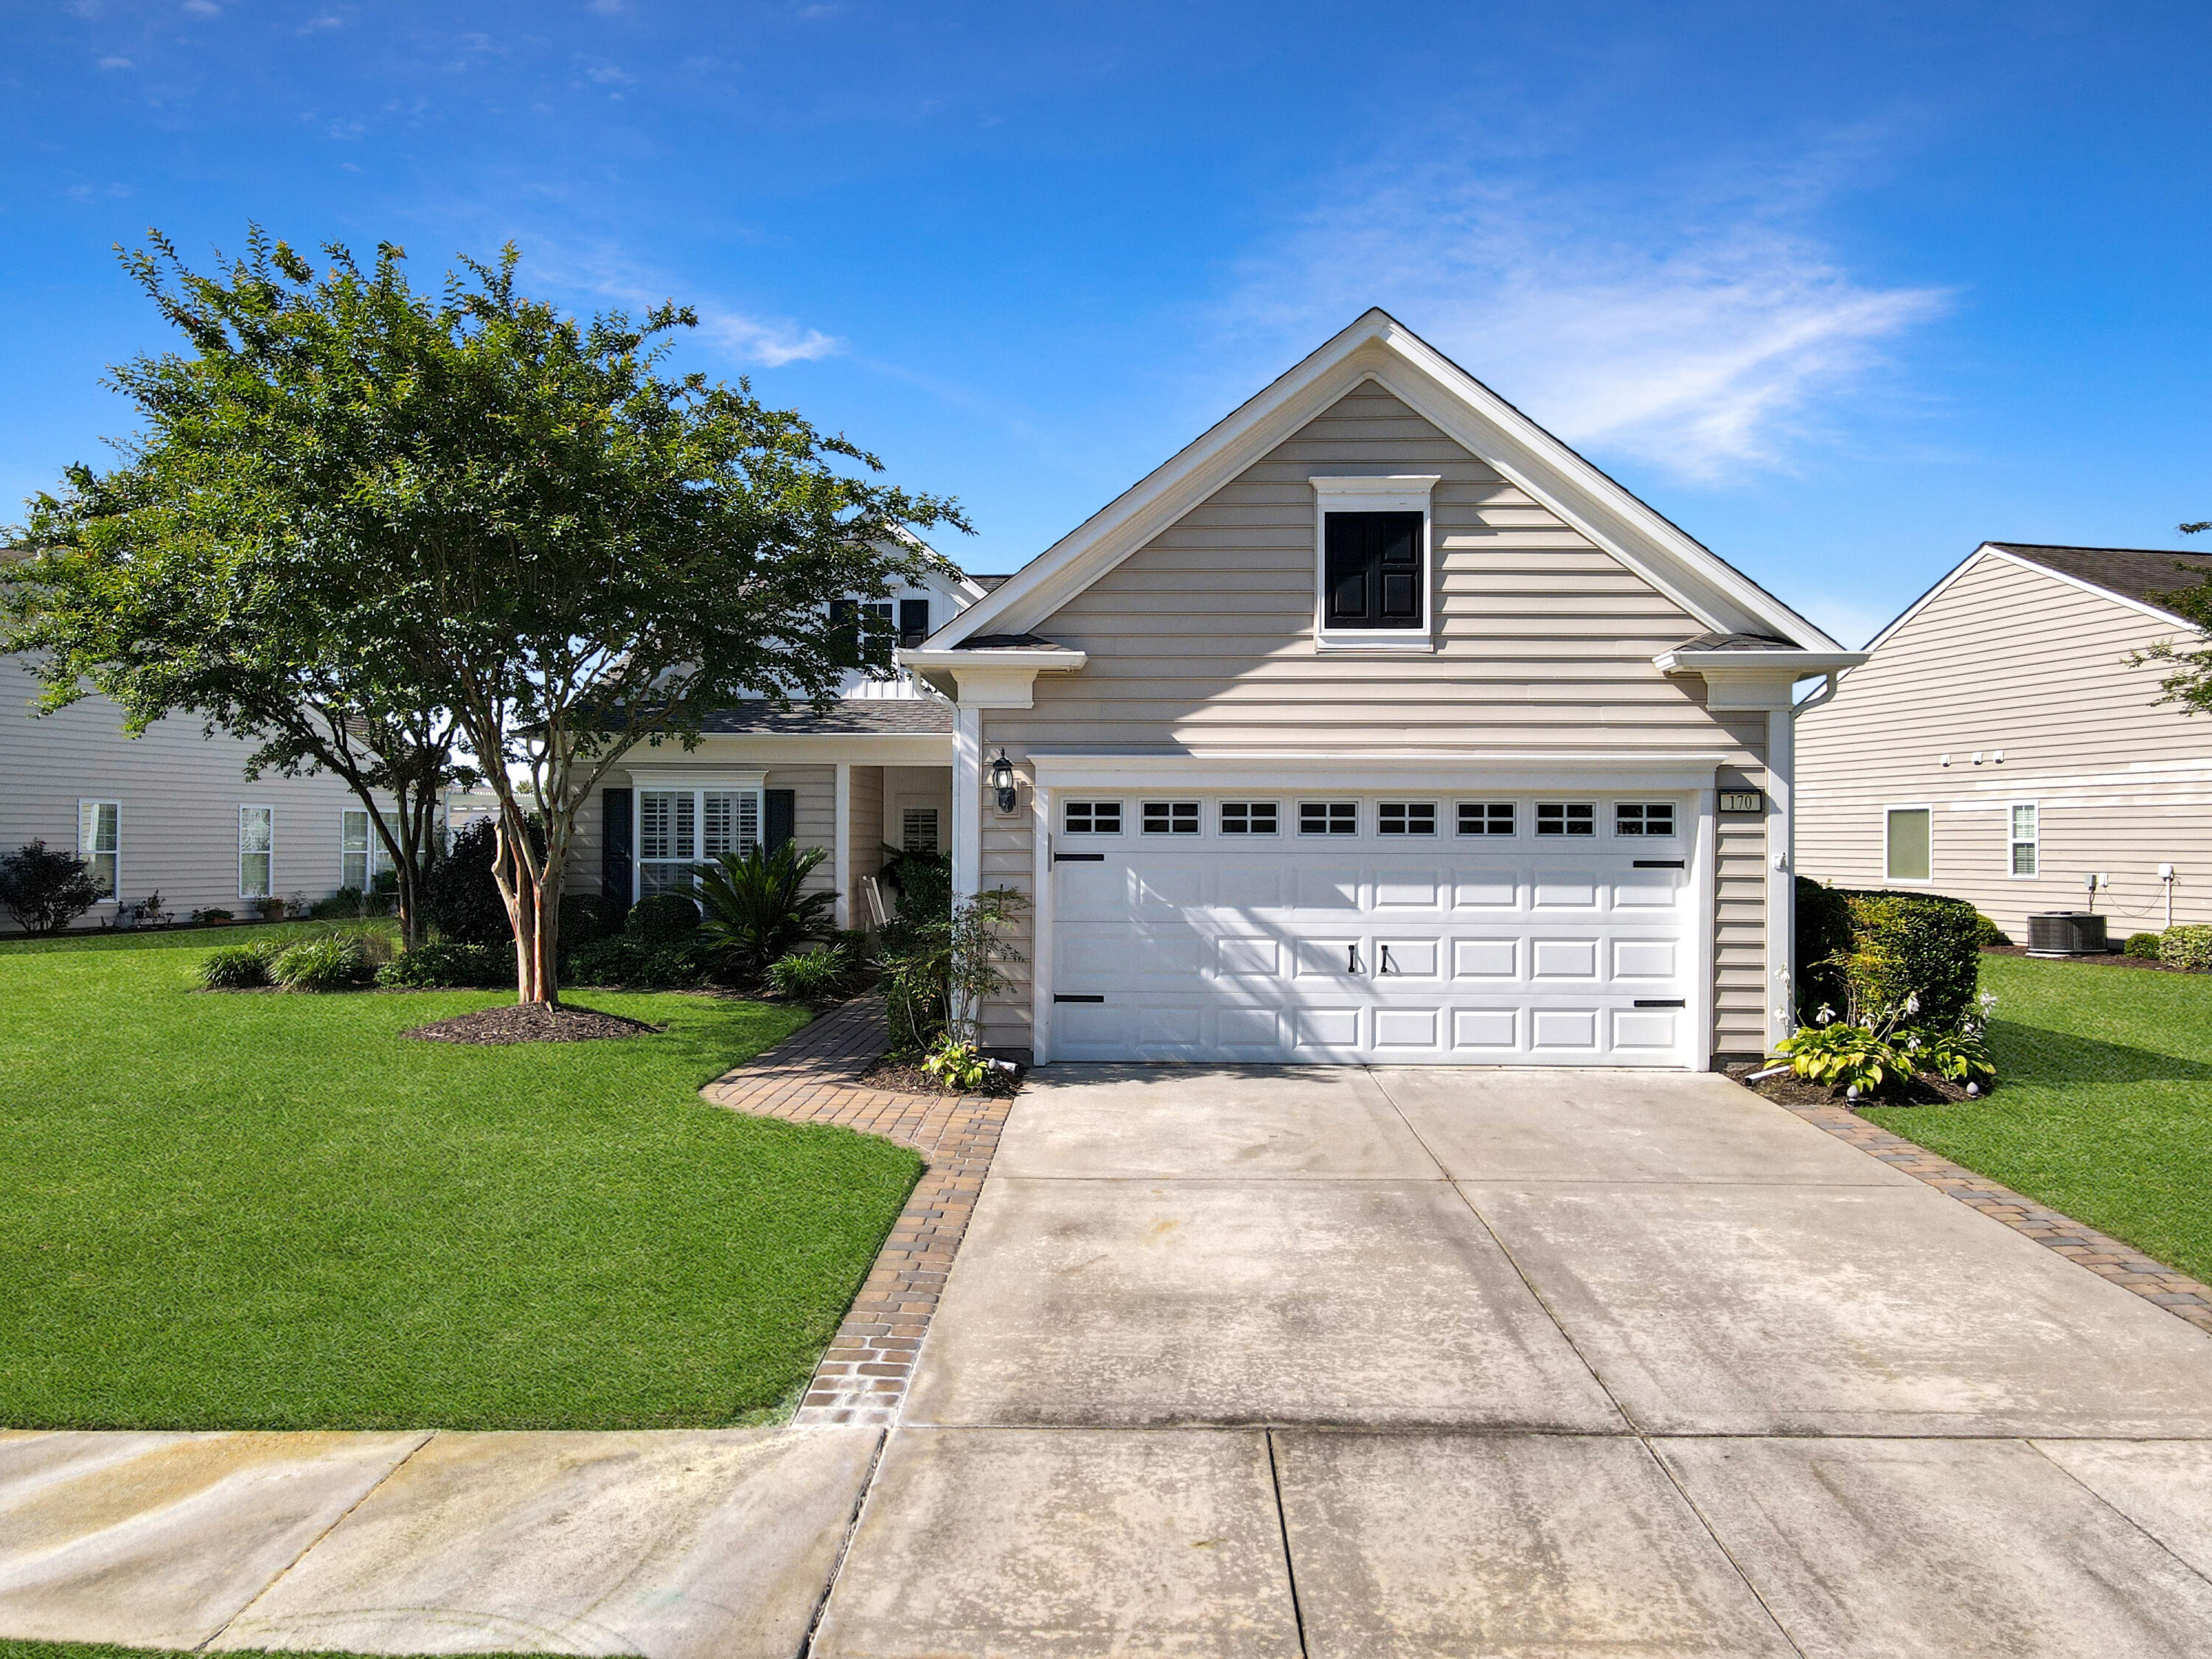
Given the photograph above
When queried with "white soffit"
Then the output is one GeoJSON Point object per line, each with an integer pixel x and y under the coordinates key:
{"type": "Point", "coordinates": [1378, 348]}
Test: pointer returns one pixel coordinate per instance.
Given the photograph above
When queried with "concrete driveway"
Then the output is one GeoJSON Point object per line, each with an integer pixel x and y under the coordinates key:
{"type": "Point", "coordinates": [1347, 1362]}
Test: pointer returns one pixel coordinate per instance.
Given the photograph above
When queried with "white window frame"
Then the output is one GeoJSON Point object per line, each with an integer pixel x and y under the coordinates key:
{"type": "Point", "coordinates": [1091, 804]}
{"type": "Point", "coordinates": [269, 885]}
{"type": "Point", "coordinates": [1910, 806]}
{"type": "Point", "coordinates": [1673, 832]}
{"type": "Point", "coordinates": [1564, 832]}
{"type": "Point", "coordinates": [1407, 809]}
{"type": "Point", "coordinates": [698, 856]}
{"type": "Point", "coordinates": [1485, 833]}
{"type": "Point", "coordinates": [1328, 832]}
{"type": "Point", "coordinates": [1397, 493]}
{"type": "Point", "coordinates": [1177, 812]}
{"type": "Point", "coordinates": [92, 855]}
{"type": "Point", "coordinates": [2014, 841]}
{"type": "Point", "coordinates": [1245, 831]}
{"type": "Point", "coordinates": [907, 816]}
{"type": "Point", "coordinates": [374, 859]}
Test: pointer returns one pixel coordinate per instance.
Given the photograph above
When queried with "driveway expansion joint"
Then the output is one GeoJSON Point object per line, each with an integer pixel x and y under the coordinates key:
{"type": "Point", "coordinates": [2185, 1298]}
{"type": "Point", "coordinates": [814, 1077]}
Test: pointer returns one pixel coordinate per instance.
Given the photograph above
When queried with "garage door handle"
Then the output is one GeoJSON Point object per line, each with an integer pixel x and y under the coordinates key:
{"type": "Point", "coordinates": [1078, 857]}
{"type": "Point", "coordinates": [1659, 864]}
{"type": "Point", "coordinates": [1062, 996]}
{"type": "Point", "coordinates": [1352, 965]}
{"type": "Point", "coordinates": [1662, 1002]}
{"type": "Point", "coordinates": [1387, 967]}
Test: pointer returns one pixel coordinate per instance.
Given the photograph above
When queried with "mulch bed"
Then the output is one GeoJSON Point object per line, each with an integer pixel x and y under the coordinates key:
{"type": "Point", "coordinates": [1790, 1089]}
{"type": "Point", "coordinates": [533, 1023]}
{"type": "Point", "coordinates": [2113, 959]}
{"type": "Point", "coordinates": [898, 1077]}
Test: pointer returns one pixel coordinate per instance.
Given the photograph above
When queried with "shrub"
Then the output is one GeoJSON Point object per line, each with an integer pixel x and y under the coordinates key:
{"type": "Point", "coordinates": [756, 910]}
{"type": "Point", "coordinates": [956, 1064]}
{"type": "Point", "coordinates": [628, 961]}
{"type": "Point", "coordinates": [44, 888]}
{"type": "Point", "coordinates": [460, 895]}
{"type": "Point", "coordinates": [933, 964]}
{"type": "Point", "coordinates": [814, 975]}
{"type": "Point", "coordinates": [1988, 933]}
{"type": "Point", "coordinates": [584, 917]}
{"type": "Point", "coordinates": [335, 961]}
{"type": "Point", "coordinates": [1824, 937]}
{"type": "Point", "coordinates": [346, 902]}
{"type": "Point", "coordinates": [2188, 946]}
{"type": "Point", "coordinates": [237, 967]}
{"type": "Point", "coordinates": [663, 918]}
{"type": "Point", "coordinates": [1842, 1055]}
{"type": "Point", "coordinates": [2141, 946]}
{"type": "Point", "coordinates": [1963, 1059]}
{"type": "Point", "coordinates": [922, 881]}
{"type": "Point", "coordinates": [450, 968]}
{"type": "Point", "coordinates": [213, 914]}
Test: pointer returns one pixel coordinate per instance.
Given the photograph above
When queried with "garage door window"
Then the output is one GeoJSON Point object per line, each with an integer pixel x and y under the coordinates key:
{"type": "Point", "coordinates": [1406, 817]}
{"type": "Point", "coordinates": [1566, 818]}
{"type": "Point", "coordinates": [1486, 817]}
{"type": "Point", "coordinates": [1247, 818]}
{"type": "Point", "coordinates": [1329, 818]}
{"type": "Point", "coordinates": [1170, 818]}
{"type": "Point", "coordinates": [1092, 818]}
{"type": "Point", "coordinates": [1643, 818]}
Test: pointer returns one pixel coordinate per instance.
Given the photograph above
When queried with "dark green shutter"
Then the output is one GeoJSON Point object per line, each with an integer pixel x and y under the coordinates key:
{"type": "Point", "coordinates": [615, 847]}
{"type": "Point", "coordinates": [782, 818]}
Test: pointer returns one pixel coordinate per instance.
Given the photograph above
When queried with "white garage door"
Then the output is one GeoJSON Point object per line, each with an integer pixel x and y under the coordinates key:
{"type": "Point", "coordinates": [1498, 930]}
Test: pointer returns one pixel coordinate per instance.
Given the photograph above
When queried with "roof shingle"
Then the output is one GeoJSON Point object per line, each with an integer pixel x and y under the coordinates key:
{"type": "Point", "coordinates": [2137, 572]}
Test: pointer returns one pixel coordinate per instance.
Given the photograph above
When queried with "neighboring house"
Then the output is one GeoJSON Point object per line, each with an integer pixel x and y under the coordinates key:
{"type": "Point", "coordinates": [874, 769]}
{"type": "Point", "coordinates": [1377, 725]}
{"type": "Point", "coordinates": [1997, 746]}
{"type": "Point", "coordinates": [169, 812]}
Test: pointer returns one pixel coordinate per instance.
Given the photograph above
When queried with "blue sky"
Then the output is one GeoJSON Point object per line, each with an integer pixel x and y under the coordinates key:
{"type": "Point", "coordinates": [1843, 290]}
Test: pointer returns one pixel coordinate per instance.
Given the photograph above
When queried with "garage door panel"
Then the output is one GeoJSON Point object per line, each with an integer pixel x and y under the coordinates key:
{"type": "Point", "coordinates": [1340, 948]}
{"type": "Point", "coordinates": [1485, 958]}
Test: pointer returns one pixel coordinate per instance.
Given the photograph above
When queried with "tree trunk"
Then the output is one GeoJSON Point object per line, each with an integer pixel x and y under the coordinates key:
{"type": "Point", "coordinates": [532, 890]}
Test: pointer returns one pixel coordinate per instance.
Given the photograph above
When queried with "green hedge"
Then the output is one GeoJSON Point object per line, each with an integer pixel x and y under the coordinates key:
{"type": "Point", "coordinates": [1884, 947]}
{"type": "Point", "coordinates": [2186, 946]}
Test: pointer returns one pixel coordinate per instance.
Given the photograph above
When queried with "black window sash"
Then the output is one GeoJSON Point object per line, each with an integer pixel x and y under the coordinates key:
{"type": "Point", "coordinates": [1373, 570]}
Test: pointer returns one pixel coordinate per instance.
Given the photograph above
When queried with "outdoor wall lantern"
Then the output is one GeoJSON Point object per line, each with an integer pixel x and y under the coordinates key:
{"type": "Point", "coordinates": [1002, 779]}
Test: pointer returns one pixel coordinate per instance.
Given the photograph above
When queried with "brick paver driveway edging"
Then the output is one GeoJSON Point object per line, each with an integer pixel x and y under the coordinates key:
{"type": "Point", "coordinates": [814, 1077]}
{"type": "Point", "coordinates": [2106, 1256]}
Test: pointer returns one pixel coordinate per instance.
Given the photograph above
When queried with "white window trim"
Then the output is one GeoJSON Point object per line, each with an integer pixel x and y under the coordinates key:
{"type": "Point", "coordinates": [1928, 880]}
{"type": "Point", "coordinates": [1597, 818]}
{"type": "Point", "coordinates": [1249, 802]}
{"type": "Point", "coordinates": [1613, 826]}
{"type": "Point", "coordinates": [1399, 492]}
{"type": "Point", "coordinates": [1171, 802]}
{"type": "Point", "coordinates": [2012, 840]}
{"type": "Point", "coordinates": [1522, 821]}
{"type": "Point", "coordinates": [1120, 814]}
{"type": "Point", "coordinates": [698, 791]}
{"type": "Point", "coordinates": [243, 807]}
{"type": "Point", "coordinates": [115, 896]}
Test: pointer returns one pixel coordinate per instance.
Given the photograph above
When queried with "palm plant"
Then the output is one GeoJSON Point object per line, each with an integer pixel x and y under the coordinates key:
{"type": "Point", "coordinates": [755, 912]}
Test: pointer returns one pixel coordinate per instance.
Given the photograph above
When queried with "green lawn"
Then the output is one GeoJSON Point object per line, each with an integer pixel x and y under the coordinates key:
{"type": "Point", "coordinates": [271, 1210]}
{"type": "Point", "coordinates": [2104, 1106]}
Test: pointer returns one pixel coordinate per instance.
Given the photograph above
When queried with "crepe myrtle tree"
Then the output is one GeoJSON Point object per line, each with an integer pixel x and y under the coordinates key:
{"type": "Point", "coordinates": [526, 522]}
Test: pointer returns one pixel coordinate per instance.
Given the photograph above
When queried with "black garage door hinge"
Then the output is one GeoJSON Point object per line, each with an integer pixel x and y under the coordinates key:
{"type": "Point", "coordinates": [1662, 1002]}
{"type": "Point", "coordinates": [1659, 864]}
{"type": "Point", "coordinates": [1078, 857]}
{"type": "Point", "coordinates": [1062, 996]}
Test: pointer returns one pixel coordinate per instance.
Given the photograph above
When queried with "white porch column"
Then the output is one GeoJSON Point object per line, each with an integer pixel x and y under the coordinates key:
{"type": "Point", "coordinates": [841, 856]}
{"type": "Point", "coordinates": [967, 801]}
{"type": "Point", "coordinates": [1781, 874]}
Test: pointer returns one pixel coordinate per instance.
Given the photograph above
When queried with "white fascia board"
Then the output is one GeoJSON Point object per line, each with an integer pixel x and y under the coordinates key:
{"type": "Point", "coordinates": [1795, 663]}
{"type": "Point", "coordinates": [1942, 583]}
{"type": "Point", "coordinates": [805, 748]}
{"type": "Point", "coordinates": [1058, 659]}
{"type": "Point", "coordinates": [1376, 347]}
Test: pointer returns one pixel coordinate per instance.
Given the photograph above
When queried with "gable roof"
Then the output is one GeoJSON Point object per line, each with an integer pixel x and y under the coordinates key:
{"type": "Point", "coordinates": [2133, 572]}
{"type": "Point", "coordinates": [1379, 348]}
{"type": "Point", "coordinates": [2136, 577]}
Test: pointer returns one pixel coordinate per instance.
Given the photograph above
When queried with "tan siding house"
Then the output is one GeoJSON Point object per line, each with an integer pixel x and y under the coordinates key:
{"type": "Point", "coordinates": [1997, 746]}
{"type": "Point", "coordinates": [1378, 725]}
{"type": "Point", "coordinates": [171, 813]}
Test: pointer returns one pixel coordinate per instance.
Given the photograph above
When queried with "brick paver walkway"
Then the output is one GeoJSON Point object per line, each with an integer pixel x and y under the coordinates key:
{"type": "Point", "coordinates": [2178, 1294]}
{"type": "Point", "coordinates": [814, 1077]}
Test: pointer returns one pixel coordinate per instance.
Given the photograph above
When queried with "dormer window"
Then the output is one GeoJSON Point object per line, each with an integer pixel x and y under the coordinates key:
{"type": "Point", "coordinates": [1372, 564]}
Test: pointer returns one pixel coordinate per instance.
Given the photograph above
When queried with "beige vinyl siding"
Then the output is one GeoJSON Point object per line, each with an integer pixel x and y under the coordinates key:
{"type": "Point", "coordinates": [814, 815]}
{"type": "Point", "coordinates": [2016, 659]}
{"type": "Point", "coordinates": [179, 793]}
{"type": "Point", "coordinates": [1740, 937]}
{"type": "Point", "coordinates": [1203, 639]}
{"type": "Point", "coordinates": [865, 825]}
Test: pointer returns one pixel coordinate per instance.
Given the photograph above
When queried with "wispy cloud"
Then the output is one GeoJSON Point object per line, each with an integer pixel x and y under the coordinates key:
{"type": "Point", "coordinates": [611, 274]}
{"type": "Point", "coordinates": [1705, 338]}
{"type": "Point", "coordinates": [770, 341]}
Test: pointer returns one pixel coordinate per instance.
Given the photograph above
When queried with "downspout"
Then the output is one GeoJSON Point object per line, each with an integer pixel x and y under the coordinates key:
{"type": "Point", "coordinates": [1781, 888]}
